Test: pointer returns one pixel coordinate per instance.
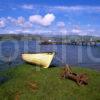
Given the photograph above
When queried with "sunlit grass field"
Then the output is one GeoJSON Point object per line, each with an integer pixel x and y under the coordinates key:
{"type": "Point", "coordinates": [28, 82]}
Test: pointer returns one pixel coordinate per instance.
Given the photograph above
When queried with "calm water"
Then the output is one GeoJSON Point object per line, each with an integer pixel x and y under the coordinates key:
{"type": "Point", "coordinates": [84, 56]}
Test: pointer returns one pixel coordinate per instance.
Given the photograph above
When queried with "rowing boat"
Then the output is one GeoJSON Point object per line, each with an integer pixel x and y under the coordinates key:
{"type": "Point", "coordinates": [42, 59]}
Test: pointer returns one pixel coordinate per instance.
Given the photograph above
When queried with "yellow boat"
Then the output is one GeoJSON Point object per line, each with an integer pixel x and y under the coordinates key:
{"type": "Point", "coordinates": [42, 59]}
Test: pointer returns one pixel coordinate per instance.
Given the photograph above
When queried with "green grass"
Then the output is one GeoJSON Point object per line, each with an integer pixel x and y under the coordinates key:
{"type": "Point", "coordinates": [49, 84]}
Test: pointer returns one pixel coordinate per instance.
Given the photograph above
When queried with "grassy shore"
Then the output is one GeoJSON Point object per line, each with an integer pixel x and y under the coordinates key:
{"type": "Point", "coordinates": [27, 82]}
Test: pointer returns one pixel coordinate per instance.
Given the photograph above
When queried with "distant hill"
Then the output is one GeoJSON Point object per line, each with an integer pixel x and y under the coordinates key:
{"type": "Point", "coordinates": [47, 37]}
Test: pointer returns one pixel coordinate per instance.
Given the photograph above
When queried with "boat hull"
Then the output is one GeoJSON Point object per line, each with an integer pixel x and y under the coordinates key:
{"type": "Point", "coordinates": [42, 59]}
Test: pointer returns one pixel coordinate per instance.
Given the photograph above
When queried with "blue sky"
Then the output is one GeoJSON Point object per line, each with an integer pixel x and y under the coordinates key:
{"type": "Point", "coordinates": [71, 17]}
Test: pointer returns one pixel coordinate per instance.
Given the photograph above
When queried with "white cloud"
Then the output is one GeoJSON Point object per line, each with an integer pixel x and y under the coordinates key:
{"type": "Point", "coordinates": [92, 30]}
{"type": "Point", "coordinates": [27, 25]}
{"type": "Point", "coordinates": [78, 8]}
{"type": "Point", "coordinates": [63, 31]}
{"type": "Point", "coordinates": [83, 31]}
{"type": "Point", "coordinates": [61, 28]}
{"type": "Point", "coordinates": [35, 19]}
{"type": "Point", "coordinates": [27, 6]}
{"type": "Point", "coordinates": [76, 31]}
{"type": "Point", "coordinates": [26, 31]}
{"type": "Point", "coordinates": [18, 31]}
{"type": "Point", "coordinates": [64, 8]}
{"type": "Point", "coordinates": [2, 24]}
{"type": "Point", "coordinates": [20, 20]}
{"type": "Point", "coordinates": [61, 24]}
{"type": "Point", "coordinates": [10, 32]}
{"type": "Point", "coordinates": [12, 20]}
{"type": "Point", "coordinates": [44, 21]}
{"type": "Point", "coordinates": [48, 19]}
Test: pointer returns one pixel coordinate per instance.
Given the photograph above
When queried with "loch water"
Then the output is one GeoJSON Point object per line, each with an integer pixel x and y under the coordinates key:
{"type": "Point", "coordinates": [83, 56]}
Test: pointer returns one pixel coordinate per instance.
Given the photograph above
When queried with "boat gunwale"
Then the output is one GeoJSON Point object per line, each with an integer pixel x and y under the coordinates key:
{"type": "Point", "coordinates": [37, 52]}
